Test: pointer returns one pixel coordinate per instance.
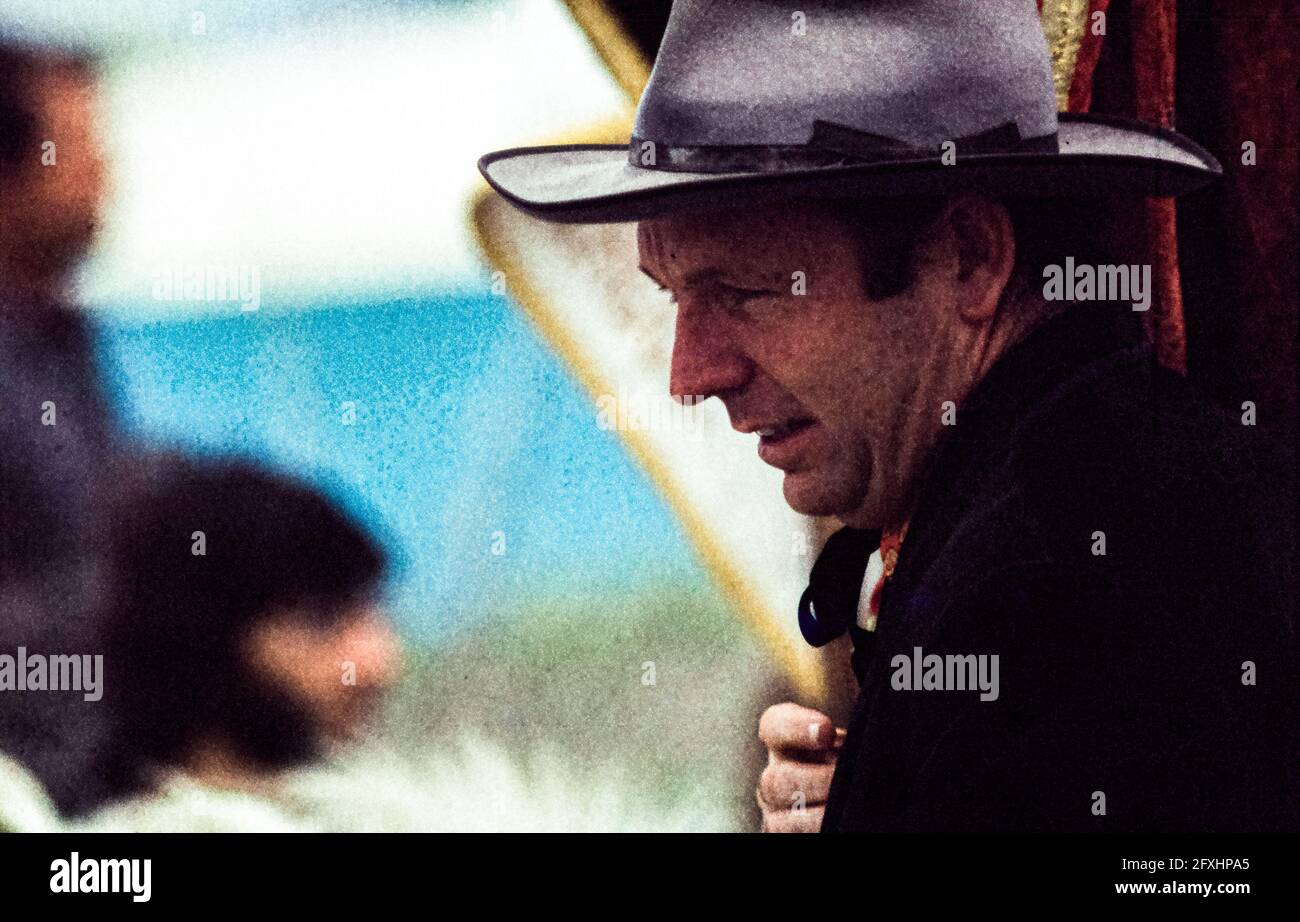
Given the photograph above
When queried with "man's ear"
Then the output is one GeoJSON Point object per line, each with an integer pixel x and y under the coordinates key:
{"type": "Point", "coordinates": [983, 251]}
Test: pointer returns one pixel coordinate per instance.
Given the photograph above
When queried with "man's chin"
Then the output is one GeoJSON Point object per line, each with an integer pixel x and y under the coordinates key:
{"type": "Point", "coordinates": [809, 493]}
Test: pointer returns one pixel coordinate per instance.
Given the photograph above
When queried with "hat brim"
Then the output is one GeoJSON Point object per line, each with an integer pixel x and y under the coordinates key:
{"type": "Point", "coordinates": [1098, 155]}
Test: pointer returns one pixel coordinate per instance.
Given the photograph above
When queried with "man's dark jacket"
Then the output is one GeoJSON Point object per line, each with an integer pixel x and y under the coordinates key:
{"type": "Point", "coordinates": [1127, 699]}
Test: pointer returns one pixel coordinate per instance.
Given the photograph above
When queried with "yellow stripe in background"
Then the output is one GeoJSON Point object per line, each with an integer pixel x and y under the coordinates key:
{"type": "Point", "coordinates": [620, 54]}
{"type": "Point", "coordinates": [801, 666]}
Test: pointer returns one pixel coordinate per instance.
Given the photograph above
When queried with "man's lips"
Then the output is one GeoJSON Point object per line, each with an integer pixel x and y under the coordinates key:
{"type": "Point", "coordinates": [779, 431]}
{"type": "Point", "coordinates": [780, 443]}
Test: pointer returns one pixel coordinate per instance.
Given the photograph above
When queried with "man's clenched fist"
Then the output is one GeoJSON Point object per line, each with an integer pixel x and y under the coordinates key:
{"type": "Point", "coordinates": [802, 746]}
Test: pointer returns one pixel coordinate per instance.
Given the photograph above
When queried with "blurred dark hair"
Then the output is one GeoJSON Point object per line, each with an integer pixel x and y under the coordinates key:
{"type": "Point", "coordinates": [20, 115]}
{"type": "Point", "coordinates": [174, 667]}
{"type": "Point", "coordinates": [1047, 230]}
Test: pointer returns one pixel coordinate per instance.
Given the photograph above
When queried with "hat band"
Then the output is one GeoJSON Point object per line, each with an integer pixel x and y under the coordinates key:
{"type": "Point", "coordinates": [830, 145]}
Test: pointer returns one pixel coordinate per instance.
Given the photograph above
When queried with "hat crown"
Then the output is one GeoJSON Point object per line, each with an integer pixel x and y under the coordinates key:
{"type": "Point", "coordinates": [758, 72]}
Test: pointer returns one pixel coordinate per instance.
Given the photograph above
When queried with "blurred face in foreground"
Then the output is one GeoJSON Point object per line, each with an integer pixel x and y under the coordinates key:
{"type": "Point", "coordinates": [337, 673]}
{"type": "Point", "coordinates": [53, 197]}
{"type": "Point", "coordinates": [845, 393]}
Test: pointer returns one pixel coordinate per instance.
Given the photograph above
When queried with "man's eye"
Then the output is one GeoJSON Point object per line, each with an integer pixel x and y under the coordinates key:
{"type": "Point", "coordinates": [739, 296]}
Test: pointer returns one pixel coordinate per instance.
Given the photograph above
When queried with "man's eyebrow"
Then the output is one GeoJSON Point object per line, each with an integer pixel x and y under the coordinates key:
{"type": "Point", "coordinates": [698, 277]}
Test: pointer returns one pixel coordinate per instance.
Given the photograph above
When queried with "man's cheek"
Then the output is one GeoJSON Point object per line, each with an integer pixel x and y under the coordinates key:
{"type": "Point", "coordinates": [836, 462]}
{"type": "Point", "coordinates": [849, 459]}
{"type": "Point", "coordinates": [840, 435]}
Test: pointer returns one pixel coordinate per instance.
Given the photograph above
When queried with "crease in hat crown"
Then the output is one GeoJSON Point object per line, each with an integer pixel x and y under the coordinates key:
{"type": "Point", "coordinates": [921, 73]}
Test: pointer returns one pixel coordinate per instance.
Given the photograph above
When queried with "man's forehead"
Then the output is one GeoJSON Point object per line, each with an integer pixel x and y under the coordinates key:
{"type": "Point", "coordinates": [725, 220]}
{"type": "Point", "coordinates": [750, 237]}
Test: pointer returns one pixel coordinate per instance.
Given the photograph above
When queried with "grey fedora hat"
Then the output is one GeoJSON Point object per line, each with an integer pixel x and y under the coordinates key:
{"type": "Point", "coordinates": [754, 100]}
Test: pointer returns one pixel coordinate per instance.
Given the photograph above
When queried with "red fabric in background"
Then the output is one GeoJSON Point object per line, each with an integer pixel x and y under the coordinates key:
{"type": "Point", "coordinates": [1223, 259]}
{"type": "Point", "coordinates": [1154, 43]}
{"type": "Point", "coordinates": [1130, 71]}
{"type": "Point", "coordinates": [1086, 61]}
{"type": "Point", "coordinates": [1238, 241]}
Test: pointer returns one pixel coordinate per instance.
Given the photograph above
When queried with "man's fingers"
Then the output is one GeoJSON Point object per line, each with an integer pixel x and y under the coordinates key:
{"type": "Point", "coordinates": [802, 747]}
{"type": "Point", "coordinates": [809, 820]}
{"type": "Point", "coordinates": [786, 784]}
{"type": "Point", "coordinates": [793, 726]}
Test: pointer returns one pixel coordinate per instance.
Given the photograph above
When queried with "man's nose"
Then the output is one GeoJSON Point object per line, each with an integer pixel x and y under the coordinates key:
{"type": "Point", "coordinates": [706, 363]}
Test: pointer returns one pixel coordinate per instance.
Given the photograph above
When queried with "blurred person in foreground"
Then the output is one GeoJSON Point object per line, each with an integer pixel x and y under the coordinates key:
{"type": "Point", "coordinates": [242, 681]}
{"type": "Point", "coordinates": [1066, 587]}
{"type": "Point", "coordinates": [247, 641]}
{"type": "Point", "coordinates": [59, 448]}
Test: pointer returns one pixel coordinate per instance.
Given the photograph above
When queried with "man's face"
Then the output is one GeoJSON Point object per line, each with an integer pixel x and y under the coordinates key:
{"type": "Point", "coordinates": [773, 320]}
{"type": "Point", "coordinates": [53, 201]}
{"type": "Point", "coordinates": [338, 673]}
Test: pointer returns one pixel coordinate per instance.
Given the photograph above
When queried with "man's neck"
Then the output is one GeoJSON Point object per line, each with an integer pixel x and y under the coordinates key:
{"type": "Point", "coordinates": [1018, 316]}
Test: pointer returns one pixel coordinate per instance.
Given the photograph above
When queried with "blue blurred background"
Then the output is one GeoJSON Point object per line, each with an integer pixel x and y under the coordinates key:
{"type": "Point", "coordinates": [466, 431]}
